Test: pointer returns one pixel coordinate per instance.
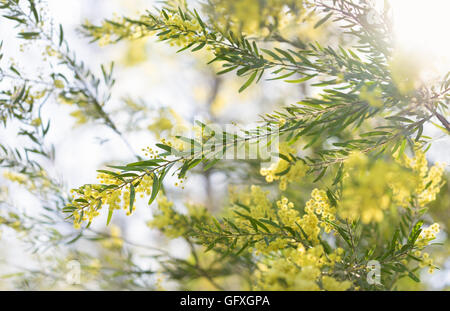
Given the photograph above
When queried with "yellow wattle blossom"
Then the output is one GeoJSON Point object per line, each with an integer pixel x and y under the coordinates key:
{"type": "Point", "coordinates": [428, 181]}
{"type": "Point", "coordinates": [107, 30]}
{"type": "Point", "coordinates": [373, 97]}
{"type": "Point", "coordinates": [428, 234]}
{"type": "Point", "coordinates": [295, 173]}
{"type": "Point", "coordinates": [79, 116]}
{"type": "Point", "coordinates": [16, 177]}
{"type": "Point", "coordinates": [88, 200]}
{"type": "Point", "coordinates": [364, 190]}
{"type": "Point", "coordinates": [36, 122]}
{"type": "Point", "coordinates": [302, 26]}
{"type": "Point", "coordinates": [94, 266]}
{"type": "Point", "coordinates": [19, 178]}
{"type": "Point", "coordinates": [191, 28]}
{"type": "Point", "coordinates": [258, 206]}
{"type": "Point", "coordinates": [167, 219]}
{"type": "Point", "coordinates": [370, 188]}
{"type": "Point", "coordinates": [136, 52]}
{"type": "Point", "coordinates": [167, 120]}
{"type": "Point", "coordinates": [426, 261]}
{"type": "Point", "coordinates": [58, 84]}
{"type": "Point", "coordinates": [331, 284]}
{"type": "Point", "coordinates": [318, 211]}
{"type": "Point", "coordinates": [173, 24]}
{"type": "Point", "coordinates": [320, 205]}
{"type": "Point", "coordinates": [258, 202]}
{"type": "Point", "coordinates": [300, 269]}
{"type": "Point", "coordinates": [114, 241]}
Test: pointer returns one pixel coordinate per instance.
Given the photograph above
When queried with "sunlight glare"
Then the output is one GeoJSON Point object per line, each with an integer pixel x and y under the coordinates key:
{"type": "Point", "coordinates": [422, 27]}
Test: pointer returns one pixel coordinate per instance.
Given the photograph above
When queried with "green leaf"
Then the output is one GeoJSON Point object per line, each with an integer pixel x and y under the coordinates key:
{"type": "Point", "coordinates": [301, 80]}
{"type": "Point", "coordinates": [110, 212]}
{"type": "Point", "coordinates": [323, 20]}
{"type": "Point", "coordinates": [419, 133]}
{"type": "Point", "coordinates": [155, 189]}
{"type": "Point", "coordinates": [164, 147]}
{"type": "Point", "coordinates": [186, 47]}
{"type": "Point", "coordinates": [145, 163]}
{"type": "Point", "coordinates": [199, 47]}
{"type": "Point", "coordinates": [283, 76]}
{"type": "Point", "coordinates": [249, 81]}
{"type": "Point", "coordinates": [413, 277]}
{"type": "Point", "coordinates": [132, 195]}
{"type": "Point", "coordinates": [321, 174]}
{"type": "Point", "coordinates": [217, 224]}
{"type": "Point", "coordinates": [286, 54]}
{"type": "Point", "coordinates": [275, 56]}
{"type": "Point", "coordinates": [110, 173]}
{"type": "Point", "coordinates": [75, 239]}
{"type": "Point", "coordinates": [34, 11]}
{"type": "Point", "coordinates": [375, 133]}
{"type": "Point", "coordinates": [227, 70]}
{"type": "Point", "coordinates": [210, 164]}
{"type": "Point", "coordinates": [29, 35]}
{"type": "Point", "coordinates": [339, 174]}
{"type": "Point", "coordinates": [199, 19]}
{"type": "Point", "coordinates": [270, 222]}
{"type": "Point", "coordinates": [242, 248]}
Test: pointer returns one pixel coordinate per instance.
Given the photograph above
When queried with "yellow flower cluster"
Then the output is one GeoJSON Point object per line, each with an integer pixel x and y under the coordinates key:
{"type": "Point", "coordinates": [300, 269]}
{"type": "Point", "coordinates": [261, 247]}
{"type": "Point", "coordinates": [20, 178]}
{"type": "Point", "coordinates": [288, 215]}
{"type": "Point", "coordinates": [32, 96]}
{"type": "Point", "coordinates": [107, 30]}
{"type": "Point", "coordinates": [370, 188]}
{"type": "Point", "coordinates": [331, 284]}
{"type": "Point", "coordinates": [428, 181]}
{"type": "Point", "coordinates": [373, 97]}
{"type": "Point", "coordinates": [80, 117]}
{"type": "Point", "coordinates": [317, 211]}
{"type": "Point", "coordinates": [182, 32]}
{"type": "Point", "coordinates": [59, 84]}
{"type": "Point", "coordinates": [167, 219]}
{"type": "Point", "coordinates": [13, 221]}
{"type": "Point", "coordinates": [89, 199]}
{"type": "Point", "coordinates": [256, 199]}
{"type": "Point", "coordinates": [426, 261]}
{"type": "Point", "coordinates": [428, 234]}
{"type": "Point", "coordinates": [259, 207]}
{"type": "Point", "coordinates": [15, 177]}
{"type": "Point", "coordinates": [114, 240]}
{"type": "Point", "coordinates": [320, 204]}
{"type": "Point", "coordinates": [295, 173]}
{"type": "Point", "coordinates": [94, 266]}
{"type": "Point", "coordinates": [136, 52]}
{"type": "Point", "coordinates": [259, 18]}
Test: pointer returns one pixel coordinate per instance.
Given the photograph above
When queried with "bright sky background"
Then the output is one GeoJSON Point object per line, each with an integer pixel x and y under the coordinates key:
{"type": "Point", "coordinates": [423, 26]}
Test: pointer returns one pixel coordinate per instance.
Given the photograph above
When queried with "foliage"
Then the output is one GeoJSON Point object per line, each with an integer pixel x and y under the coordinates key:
{"type": "Point", "coordinates": [356, 145]}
